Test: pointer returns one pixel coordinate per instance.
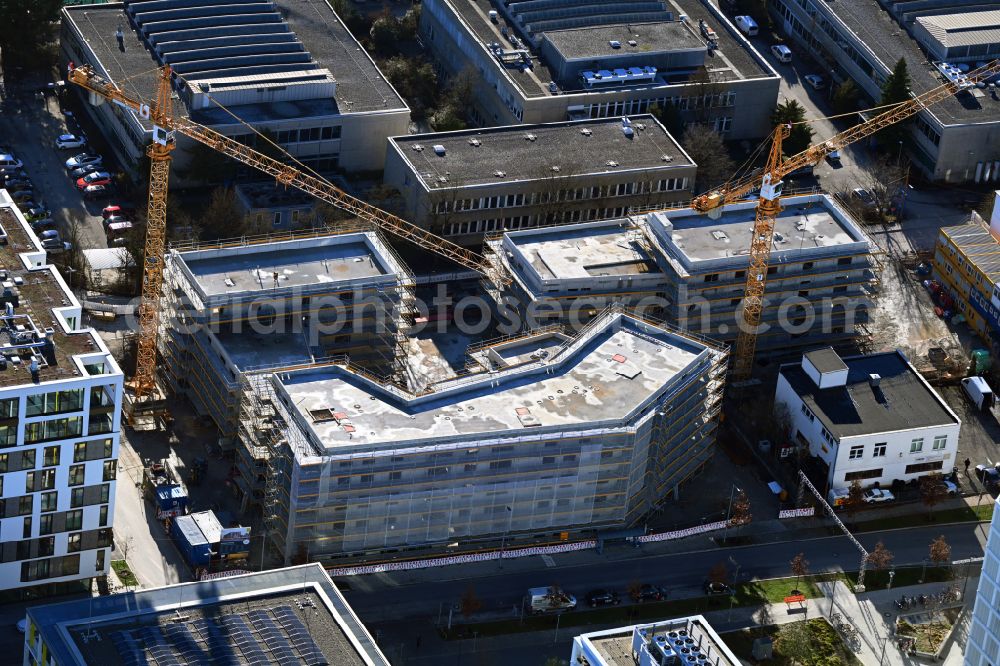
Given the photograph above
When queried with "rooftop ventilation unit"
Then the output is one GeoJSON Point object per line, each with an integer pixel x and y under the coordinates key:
{"type": "Point", "coordinates": [631, 42]}
{"type": "Point", "coordinates": [611, 163]}
{"type": "Point", "coordinates": [417, 147]}
{"type": "Point", "coordinates": [719, 235]}
{"type": "Point", "coordinates": [586, 131]}
{"type": "Point", "coordinates": [874, 380]}
{"type": "Point", "coordinates": [439, 150]}
{"type": "Point", "coordinates": [667, 158]}
{"type": "Point", "coordinates": [475, 142]}
{"type": "Point", "coordinates": [615, 44]}
{"type": "Point", "coordinates": [499, 174]}
{"type": "Point", "coordinates": [555, 169]}
{"type": "Point", "coordinates": [530, 137]}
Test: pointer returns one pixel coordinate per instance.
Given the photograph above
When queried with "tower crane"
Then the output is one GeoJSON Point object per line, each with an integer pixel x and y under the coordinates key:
{"type": "Point", "coordinates": [769, 201]}
{"type": "Point", "coordinates": [165, 126]}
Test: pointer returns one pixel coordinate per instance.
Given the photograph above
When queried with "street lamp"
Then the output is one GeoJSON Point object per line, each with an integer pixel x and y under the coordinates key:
{"type": "Point", "coordinates": [892, 574]}
{"type": "Point", "coordinates": [729, 511]}
{"type": "Point", "coordinates": [732, 594]}
{"type": "Point", "coordinates": [503, 541]}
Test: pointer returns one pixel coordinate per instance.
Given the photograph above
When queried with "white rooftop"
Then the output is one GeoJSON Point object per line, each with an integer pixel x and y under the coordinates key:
{"type": "Point", "coordinates": [963, 28]}
{"type": "Point", "coordinates": [582, 251]}
{"type": "Point", "coordinates": [598, 379]}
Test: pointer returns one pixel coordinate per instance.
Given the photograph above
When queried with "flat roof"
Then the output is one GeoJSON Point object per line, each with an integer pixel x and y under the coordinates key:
{"type": "Point", "coordinates": [902, 401]}
{"type": "Point", "coordinates": [889, 42]}
{"type": "Point", "coordinates": [595, 41]}
{"type": "Point", "coordinates": [360, 85]}
{"type": "Point", "coordinates": [978, 245]}
{"type": "Point", "coordinates": [290, 615]}
{"type": "Point", "coordinates": [809, 223]}
{"type": "Point", "coordinates": [586, 147]}
{"type": "Point", "coordinates": [583, 251]}
{"type": "Point", "coordinates": [678, 637]}
{"type": "Point", "coordinates": [602, 376]}
{"type": "Point", "coordinates": [826, 360]}
{"type": "Point", "coordinates": [734, 59]}
{"type": "Point", "coordinates": [328, 262]}
{"type": "Point", "coordinates": [40, 293]}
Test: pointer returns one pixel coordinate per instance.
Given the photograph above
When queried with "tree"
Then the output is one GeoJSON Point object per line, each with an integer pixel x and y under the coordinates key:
{"type": "Point", "coordinates": [896, 89]}
{"type": "Point", "coordinates": [384, 32]}
{"type": "Point", "coordinates": [706, 148]}
{"type": "Point", "coordinates": [880, 557]}
{"type": "Point", "coordinates": [414, 79]}
{"type": "Point", "coordinates": [740, 515]}
{"type": "Point", "coordinates": [884, 180]}
{"type": "Point", "coordinates": [222, 218]}
{"type": "Point", "coordinates": [795, 643]}
{"type": "Point", "coordinates": [940, 551]}
{"type": "Point", "coordinates": [845, 97]}
{"type": "Point", "coordinates": [790, 112]}
{"type": "Point", "coordinates": [207, 166]}
{"type": "Point", "coordinates": [718, 573]}
{"type": "Point", "coordinates": [470, 603]}
{"type": "Point", "coordinates": [854, 500]}
{"type": "Point", "coordinates": [27, 28]}
{"type": "Point", "coordinates": [932, 492]}
{"type": "Point", "coordinates": [799, 566]}
{"type": "Point", "coordinates": [671, 119]}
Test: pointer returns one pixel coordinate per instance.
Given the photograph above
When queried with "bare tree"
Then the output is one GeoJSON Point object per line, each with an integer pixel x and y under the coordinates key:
{"type": "Point", "coordinates": [706, 148]}
{"type": "Point", "coordinates": [932, 492]}
{"type": "Point", "coordinates": [854, 500]}
{"type": "Point", "coordinates": [470, 603]}
{"type": "Point", "coordinates": [880, 557]}
{"type": "Point", "coordinates": [884, 181]}
{"type": "Point", "coordinates": [799, 566]}
{"type": "Point", "coordinates": [940, 551]}
{"type": "Point", "coordinates": [740, 514]}
{"type": "Point", "coordinates": [719, 573]}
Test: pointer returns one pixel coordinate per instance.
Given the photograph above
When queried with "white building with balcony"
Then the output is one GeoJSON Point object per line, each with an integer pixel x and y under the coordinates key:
{"type": "Point", "coordinates": [869, 418]}
{"type": "Point", "coordinates": [60, 414]}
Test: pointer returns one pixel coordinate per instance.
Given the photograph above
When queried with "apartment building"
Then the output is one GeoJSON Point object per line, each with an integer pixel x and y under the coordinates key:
{"type": "Point", "coordinates": [232, 308]}
{"type": "Point", "coordinates": [956, 140]}
{"type": "Point", "coordinates": [871, 419]}
{"type": "Point", "coordinates": [465, 184]}
{"type": "Point", "coordinates": [966, 264]}
{"type": "Point", "coordinates": [60, 419]}
{"type": "Point", "coordinates": [288, 67]}
{"type": "Point", "coordinates": [685, 640]}
{"type": "Point", "coordinates": [567, 60]}
{"type": "Point", "coordinates": [294, 615]}
{"type": "Point", "coordinates": [983, 644]}
{"type": "Point", "coordinates": [555, 436]}
{"type": "Point", "coordinates": [690, 270]}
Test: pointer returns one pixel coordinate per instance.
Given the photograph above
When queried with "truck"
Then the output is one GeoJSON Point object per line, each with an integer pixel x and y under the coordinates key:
{"type": "Point", "coordinates": [162, 486]}
{"type": "Point", "coordinates": [979, 393]}
{"type": "Point", "coordinates": [550, 599]}
{"type": "Point", "coordinates": [837, 497]}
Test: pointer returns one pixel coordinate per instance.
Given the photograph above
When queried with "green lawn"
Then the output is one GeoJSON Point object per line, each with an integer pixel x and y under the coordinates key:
{"type": "Point", "coordinates": [124, 574]}
{"type": "Point", "coordinates": [961, 514]}
{"type": "Point", "coordinates": [878, 580]}
{"type": "Point", "coordinates": [821, 644]}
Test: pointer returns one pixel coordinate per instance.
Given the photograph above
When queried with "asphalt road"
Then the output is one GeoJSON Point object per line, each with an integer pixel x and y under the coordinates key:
{"type": "Point", "coordinates": [380, 599]}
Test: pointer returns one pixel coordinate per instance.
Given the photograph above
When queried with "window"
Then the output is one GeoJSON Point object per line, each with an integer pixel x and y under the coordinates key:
{"type": "Point", "coordinates": [857, 452]}
{"type": "Point", "coordinates": [8, 408]}
{"type": "Point", "coordinates": [103, 517]}
{"type": "Point", "coordinates": [54, 403]}
{"type": "Point", "coordinates": [50, 501]}
{"type": "Point", "coordinates": [712, 277]}
{"type": "Point", "coordinates": [879, 450]}
{"type": "Point", "coordinates": [77, 474]}
{"type": "Point", "coordinates": [51, 456]}
{"type": "Point", "coordinates": [74, 520]}
{"type": "Point", "coordinates": [42, 480]}
{"type": "Point", "coordinates": [45, 524]}
{"type": "Point", "coordinates": [41, 431]}
{"type": "Point", "coordinates": [924, 467]}
{"type": "Point", "coordinates": [500, 464]}
{"type": "Point", "coordinates": [25, 505]}
{"type": "Point", "coordinates": [110, 470]}
{"type": "Point", "coordinates": [917, 445]}
{"type": "Point", "coordinates": [100, 561]}
{"type": "Point", "coordinates": [76, 497]}
{"type": "Point", "coordinates": [863, 474]}
{"type": "Point", "coordinates": [940, 442]}
{"type": "Point", "coordinates": [844, 261]}
{"type": "Point", "coordinates": [26, 528]}
{"type": "Point", "coordinates": [73, 543]}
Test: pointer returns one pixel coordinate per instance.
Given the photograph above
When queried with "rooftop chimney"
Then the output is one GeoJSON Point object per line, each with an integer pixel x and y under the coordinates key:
{"type": "Point", "coordinates": [874, 380]}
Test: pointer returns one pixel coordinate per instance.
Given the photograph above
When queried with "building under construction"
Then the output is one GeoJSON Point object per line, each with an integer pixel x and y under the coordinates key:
{"type": "Point", "coordinates": [235, 307]}
{"type": "Point", "coordinates": [690, 270]}
{"type": "Point", "coordinates": [555, 436]}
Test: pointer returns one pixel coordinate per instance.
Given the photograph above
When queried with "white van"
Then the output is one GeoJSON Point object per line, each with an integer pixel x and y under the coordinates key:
{"type": "Point", "coordinates": [979, 393]}
{"type": "Point", "coordinates": [782, 53]}
{"type": "Point", "coordinates": [747, 25]}
{"type": "Point", "coordinates": [10, 162]}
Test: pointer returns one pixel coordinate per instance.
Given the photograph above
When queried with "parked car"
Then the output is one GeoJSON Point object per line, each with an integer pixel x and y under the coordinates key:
{"type": "Point", "coordinates": [21, 625]}
{"type": "Point", "coordinates": [647, 592]}
{"type": "Point", "coordinates": [8, 161]}
{"type": "Point", "coordinates": [22, 196]}
{"type": "Point", "coordinates": [128, 212]}
{"type": "Point", "coordinates": [864, 197]}
{"type": "Point", "coordinates": [35, 213]}
{"type": "Point", "coordinates": [95, 178]}
{"type": "Point", "coordinates": [950, 487]}
{"type": "Point", "coordinates": [715, 587]}
{"type": "Point", "coordinates": [56, 245]}
{"type": "Point", "coordinates": [597, 598]}
{"type": "Point", "coordinates": [67, 141]}
{"type": "Point", "coordinates": [877, 496]}
{"type": "Point", "coordinates": [833, 157]}
{"type": "Point", "coordinates": [989, 476]}
{"type": "Point", "coordinates": [43, 224]}
{"type": "Point", "coordinates": [115, 219]}
{"type": "Point", "coordinates": [9, 174]}
{"type": "Point", "coordinates": [979, 393]}
{"type": "Point", "coordinates": [83, 159]}
{"type": "Point", "coordinates": [815, 80]}
{"type": "Point", "coordinates": [747, 25]}
{"type": "Point", "coordinates": [80, 172]}
{"type": "Point", "coordinates": [782, 53]}
{"type": "Point", "coordinates": [17, 184]}
{"type": "Point", "coordinates": [94, 192]}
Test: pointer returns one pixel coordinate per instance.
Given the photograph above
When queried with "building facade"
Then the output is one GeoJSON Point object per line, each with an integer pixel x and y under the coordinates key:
{"type": "Point", "coordinates": [871, 419]}
{"type": "Point", "coordinates": [354, 466]}
{"type": "Point", "coordinates": [294, 615]}
{"type": "Point", "coordinates": [966, 265]}
{"type": "Point", "coordinates": [684, 640]}
{"type": "Point", "coordinates": [466, 184]}
{"type": "Point", "coordinates": [983, 644]}
{"type": "Point", "coordinates": [958, 139]}
{"type": "Point", "coordinates": [232, 308]}
{"type": "Point", "coordinates": [60, 423]}
{"type": "Point", "coordinates": [283, 68]}
{"type": "Point", "coordinates": [690, 270]}
{"type": "Point", "coordinates": [572, 60]}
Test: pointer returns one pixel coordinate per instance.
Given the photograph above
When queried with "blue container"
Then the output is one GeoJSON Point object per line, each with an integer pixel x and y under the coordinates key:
{"type": "Point", "coordinates": [190, 541]}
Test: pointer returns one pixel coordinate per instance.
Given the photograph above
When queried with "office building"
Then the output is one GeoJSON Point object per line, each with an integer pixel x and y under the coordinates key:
{"type": "Point", "coordinates": [567, 60]}
{"type": "Point", "coordinates": [967, 266]}
{"type": "Point", "coordinates": [956, 140]}
{"type": "Point", "coordinates": [60, 423]}
{"type": "Point", "coordinates": [554, 435]}
{"type": "Point", "coordinates": [983, 644]}
{"type": "Point", "coordinates": [686, 640]}
{"type": "Point", "coordinates": [294, 615]}
{"type": "Point", "coordinates": [871, 418]}
{"type": "Point", "coordinates": [288, 67]}
{"type": "Point", "coordinates": [690, 270]}
{"type": "Point", "coordinates": [231, 308]}
{"type": "Point", "coordinates": [465, 184]}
